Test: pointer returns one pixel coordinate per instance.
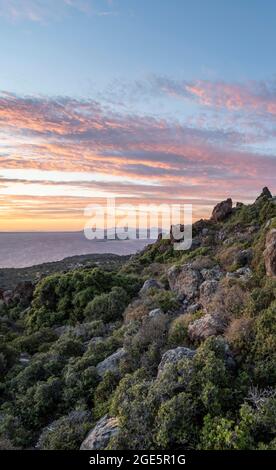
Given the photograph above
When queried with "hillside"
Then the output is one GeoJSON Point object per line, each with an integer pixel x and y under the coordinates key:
{"type": "Point", "coordinates": [172, 349]}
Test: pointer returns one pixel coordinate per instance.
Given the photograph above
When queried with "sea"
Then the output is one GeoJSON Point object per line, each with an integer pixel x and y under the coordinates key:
{"type": "Point", "coordinates": [23, 249]}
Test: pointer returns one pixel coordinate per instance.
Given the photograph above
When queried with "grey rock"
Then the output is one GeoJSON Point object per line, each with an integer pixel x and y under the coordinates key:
{"type": "Point", "coordinates": [150, 284]}
{"type": "Point", "coordinates": [193, 308]}
{"type": "Point", "coordinates": [155, 313]}
{"type": "Point", "coordinates": [174, 355]}
{"type": "Point", "coordinates": [207, 291]}
{"type": "Point", "coordinates": [100, 435]}
{"type": "Point", "coordinates": [111, 363]}
{"type": "Point", "coordinates": [214, 273]}
{"type": "Point", "coordinates": [208, 325]}
{"type": "Point", "coordinates": [185, 280]}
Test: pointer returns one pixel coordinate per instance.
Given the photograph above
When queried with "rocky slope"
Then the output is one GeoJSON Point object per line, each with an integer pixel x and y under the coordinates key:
{"type": "Point", "coordinates": [173, 349]}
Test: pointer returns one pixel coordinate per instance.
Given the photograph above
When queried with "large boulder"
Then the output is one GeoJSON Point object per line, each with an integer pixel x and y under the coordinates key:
{"type": "Point", "coordinates": [185, 280]}
{"type": "Point", "coordinates": [208, 325]}
{"type": "Point", "coordinates": [172, 356]}
{"type": "Point", "coordinates": [100, 435]}
{"type": "Point", "coordinates": [148, 285]}
{"type": "Point", "coordinates": [207, 291]}
{"type": "Point", "coordinates": [111, 363]}
{"type": "Point", "coordinates": [222, 210]}
{"type": "Point", "coordinates": [270, 253]}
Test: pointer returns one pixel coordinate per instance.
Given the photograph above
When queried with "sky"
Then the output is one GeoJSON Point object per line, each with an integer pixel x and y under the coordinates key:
{"type": "Point", "coordinates": [160, 101]}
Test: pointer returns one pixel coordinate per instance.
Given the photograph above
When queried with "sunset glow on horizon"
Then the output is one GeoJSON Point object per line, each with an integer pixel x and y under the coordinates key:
{"type": "Point", "coordinates": [134, 105]}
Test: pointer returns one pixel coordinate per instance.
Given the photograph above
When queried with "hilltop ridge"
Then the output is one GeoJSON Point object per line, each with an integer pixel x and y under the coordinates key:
{"type": "Point", "coordinates": [171, 349]}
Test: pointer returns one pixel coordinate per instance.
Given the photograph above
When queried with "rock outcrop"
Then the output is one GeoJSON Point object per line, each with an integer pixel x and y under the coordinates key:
{"type": "Point", "coordinates": [265, 194]}
{"type": "Point", "coordinates": [100, 435]}
{"type": "Point", "coordinates": [270, 253]}
{"type": "Point", "coordinates": [174, 355]}
{"type": "Point", "coordinates": [111, 363]}
{"type": "Point", "coordinates": [207, 291]}
{"type": "Point", "coordinates": [184, 280]}
{"type": "Point", "coordinates": [208, 325]}
{"type": "Point", "coordinates": [222, 210]}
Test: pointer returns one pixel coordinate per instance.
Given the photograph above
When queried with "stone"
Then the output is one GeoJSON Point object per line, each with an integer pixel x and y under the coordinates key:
{"type": "Point", "coordinates": [111, 363]}
{"type": "Point", "coordinates": [150, 284]}
{"type": "Point", "coordinates": [99, 437]}
{"type": "Point", "coordinates": [222, 210]}
{"type": "Point", "coordinates": [207, 291]}
{"type": "Point", "coordinates": [184, 280]}
{"type": "Point", "coordinates": [243, 274]}
{"type": "Point", "coordinates": [208, 325]}
{"type": "Point", "coordinates": [193, 308]}
{"type": "Point", "coordinates": [172, 356]}
{"type": "Point", "coordinates": [155, 313]}
{"type": "Point", "coordinates": [270, 253]}
{"type": "Point", "coordinates": [265, 194]}
{"type": "Point", "coordinates": [214, 273]}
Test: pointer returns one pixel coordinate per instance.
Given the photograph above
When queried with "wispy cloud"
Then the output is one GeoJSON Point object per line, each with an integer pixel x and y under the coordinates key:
{"type": "Point", "coordinates": [49, 10]}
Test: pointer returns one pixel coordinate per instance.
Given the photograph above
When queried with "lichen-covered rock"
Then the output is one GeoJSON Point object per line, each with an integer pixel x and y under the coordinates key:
{"type": "Point", "coordinates": [214, 273]}
{"type": "Point", "coordinates": [207, 291]}
{"type": "Point", "coordinates": [174, 355]}
{"type": "Point", "coordinates": [208, 325]}
{"type": "Point", "coordinates": [100, 435]}
{"type": "Point", "coordinates": [185, 280]}
{"type": "Point", "coordinates": [270, 253]}
{"type": "Point", "coordinates": [222, 210]}
{"type": "Point", "coordinates": [150, 284]}
{"type": "Point", "coordinates": [111, 363]}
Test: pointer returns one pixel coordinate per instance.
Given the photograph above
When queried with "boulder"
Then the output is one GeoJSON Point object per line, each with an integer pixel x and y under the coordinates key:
{"type": "Point", "coordinates": [207, 291]}
{"type": "Point", "coordinates": [174, 355]}
{"type": "Point", "coordinates": [214, 273]}
{"type": "Point", "coordinates": [193, 308]}
{"type": "Point", "coordinates": [243, 274]}
{"type": "Point", "coordinates": [150, 284]}
{"type": "Point", "coordinates": [185, 280]}
{"type": "Point", "coordinates": [155, 313]}
{"type": "Point", "coordinates": [270, 253]}
{"type": "Point", "coordinates": [100, 435]}
{"type": "Point", "coordinates": [111, 363]}
{"type": "Point", "coordinates": [208, 325]}
{"type": "Point", "coordinates": [222, 210]}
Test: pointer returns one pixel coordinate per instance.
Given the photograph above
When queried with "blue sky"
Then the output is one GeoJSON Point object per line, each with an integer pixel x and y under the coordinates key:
{"type": "Point", "coordinates": [71, 50]}
{"type": "Point", "coordinates": [136, 98]}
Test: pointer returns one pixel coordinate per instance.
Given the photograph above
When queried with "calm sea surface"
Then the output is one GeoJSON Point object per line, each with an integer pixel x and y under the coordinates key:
{"type": "Point", "coordinates": [19, 250]}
